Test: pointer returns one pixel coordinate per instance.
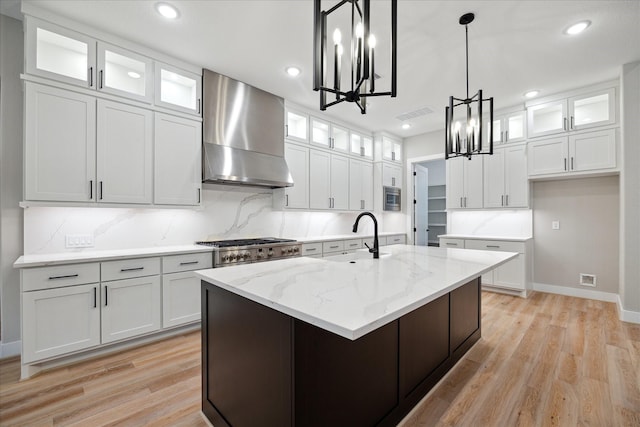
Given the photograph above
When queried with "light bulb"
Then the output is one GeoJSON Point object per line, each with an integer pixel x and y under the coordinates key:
{"type": "Point", "coordinates": [372, 41]}
{"type": "Point", "coordinates": [456, 126]}
{"type": "Point", "coordinates": [167, 10]}
{"type": "Point", "coordinates": [359, 30]}
{"type": "Point", "coordinates": [340, 49]}
{"type": "Point", "coordinates": [337, 36]}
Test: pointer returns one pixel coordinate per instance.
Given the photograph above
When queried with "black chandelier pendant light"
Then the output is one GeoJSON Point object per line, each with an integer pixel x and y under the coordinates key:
{"type": "Point", "coordinates": [467, 140]}
{"type": "Point", "coordinates": [362, 61]}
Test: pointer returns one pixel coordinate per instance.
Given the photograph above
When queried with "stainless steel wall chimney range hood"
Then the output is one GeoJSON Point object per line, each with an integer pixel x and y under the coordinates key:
{"type": "Point", "coordinates": [243, 134]}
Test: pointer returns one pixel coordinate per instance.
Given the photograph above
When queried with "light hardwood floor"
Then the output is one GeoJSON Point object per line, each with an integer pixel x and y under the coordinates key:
{"type": "Point", "coordinates": [546, 360]}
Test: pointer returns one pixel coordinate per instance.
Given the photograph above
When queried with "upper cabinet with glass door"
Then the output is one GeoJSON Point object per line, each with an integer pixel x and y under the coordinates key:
{"type": "Point", "coordinates": [508, 127]}
{"type": "Point", "coordinates": [178, 89]}
{"type": "Point", "coordinates": [391, 149]}
{"type": "Point", "coordinates": [329, 135]}
{"type": "Point", "coordinates": [590, 110]}
{"type": "Point", "coordinates": [58, 53]}
{"type": "Point", "coordinates": [361, 145]}
{"type": "Point", "coordinates": [296, 127]}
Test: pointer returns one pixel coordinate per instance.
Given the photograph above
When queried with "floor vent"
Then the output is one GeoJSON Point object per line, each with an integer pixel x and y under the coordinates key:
{"type": "Point", "coordinates": [588, 279]}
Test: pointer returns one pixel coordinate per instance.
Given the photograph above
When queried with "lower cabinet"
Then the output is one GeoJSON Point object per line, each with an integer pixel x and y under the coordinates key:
{"type": "Point", "coordinates": [130, 307]}
{"type": "Point", "coordinates": [180, 299]}
{"type": "Point", "coordinates": [514, 275]}
{"type": "Point", "coordinates": [75, 307]}
{"type": "Point", "coordinates": [60, 320]}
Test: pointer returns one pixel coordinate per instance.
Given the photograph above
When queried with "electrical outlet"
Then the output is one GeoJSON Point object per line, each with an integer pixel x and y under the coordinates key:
{"type": "Point", "coordinates": [79, 241]}
{"type": "Point", "coordinates": [555, 225]}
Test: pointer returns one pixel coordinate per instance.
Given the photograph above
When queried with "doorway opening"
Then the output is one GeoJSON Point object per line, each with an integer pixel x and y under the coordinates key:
{"type": "Point", "coordinates": [429, 202]}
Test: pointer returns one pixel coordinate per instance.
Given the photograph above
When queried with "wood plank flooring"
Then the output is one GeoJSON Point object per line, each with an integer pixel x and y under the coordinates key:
{"type": "Point", "coordinates": [548, 360]}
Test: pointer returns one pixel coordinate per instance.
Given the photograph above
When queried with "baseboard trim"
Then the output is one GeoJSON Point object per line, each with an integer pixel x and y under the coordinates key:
{"type": "Point", "coordinates": [627, 315]}
{"type": "Point", "coordinates": [9, 349]}
{"type": "Point", "coordinates": [576, 292]}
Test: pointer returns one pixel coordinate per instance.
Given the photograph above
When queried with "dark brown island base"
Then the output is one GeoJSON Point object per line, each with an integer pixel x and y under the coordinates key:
{"type": "Point", "coordinates": [261, 367]}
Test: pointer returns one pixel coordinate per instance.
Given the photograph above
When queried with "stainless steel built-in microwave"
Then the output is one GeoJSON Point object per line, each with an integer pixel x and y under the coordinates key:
{"type": "Point", "coordinates": [392, 199]}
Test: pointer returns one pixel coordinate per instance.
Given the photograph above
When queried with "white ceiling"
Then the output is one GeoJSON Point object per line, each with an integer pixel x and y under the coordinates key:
{"type": "Point", "coordinates": [514, 46]}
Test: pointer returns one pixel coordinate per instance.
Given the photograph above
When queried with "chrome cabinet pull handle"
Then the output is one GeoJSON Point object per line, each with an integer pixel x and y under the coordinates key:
{"type": "Point", "coordinates": [565, 163]}
{"type": "Point", "coordinates": [199, 195]}
{"type": "Point", "coordinates": [286, 200]}
{"type": "Point", "coordinates": [507, 199]}
{"type": "Point", "coordinates": [572, 163]}
{"type": "Point", "coordinates": [90, 189]}
{"type": "Point", "coordinates": [502, 200]}
{"type": "Point", "coordinates": [310, 249]}
{"type": "Point", "coordinates": [572, 124]}
{"type": "Point", "coordinates": [90, 77]}
{"type": "Point", "coordinates": [106, 296]}
{"type": "Point", "coordinates": [95, 297]}
{"type": "Point", "coordinates": [68, 276]}
{"type": "Point", "coordinates": [189, 262]}
{"type": "Point", "coordinates": [286, 130]}
{"type": "Point", "coordinates": [452, 244]}
{"type": "Point", "coordinates": [100, 79]}
{"type": "Point", "coordinates": [564, 123]}
{"type": "Point", "coordinates": [101, 192]}
{"type": "Point", "coordinates": [493, 246]}
{"type": "Point", "coordinates": [506, 136]}
{"type": "Point", "coordinates": [199, 106]}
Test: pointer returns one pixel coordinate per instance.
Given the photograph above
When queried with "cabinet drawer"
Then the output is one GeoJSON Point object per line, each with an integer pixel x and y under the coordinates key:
{"type": "Point", "coordinates": [336, 246]}
{"type": "Point", "coordinates": [495, 245]}
{"type": "Point", "coordinates": [60, 276]}
{"type": "Point", "coordinates": [129, 268]}
{"type": "Point", "coordinates": [311, 249]}
{"type": "Point", "coordinates": [186, 262]}
{"type": "Point", "coordinates": [396, 240]}
{"type": "Point", "coordinates": [451, 243]}
{"type": "Point", "coordinates": [353, 244]}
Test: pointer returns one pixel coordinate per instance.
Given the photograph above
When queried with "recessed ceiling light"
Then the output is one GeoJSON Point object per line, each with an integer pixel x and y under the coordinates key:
{"type": "Point", "coordinates": [406, 126]}
{"type": "Point", "coordinates": [293, 71]}
{"type": "Point", "coordinates": [577, 28]}
{"type": "Point", "coordinates": [167, 10]}
{"type": "Point", "coordinates": [531, 93]}
{"type": "Point", "coordinates": [133, 75]}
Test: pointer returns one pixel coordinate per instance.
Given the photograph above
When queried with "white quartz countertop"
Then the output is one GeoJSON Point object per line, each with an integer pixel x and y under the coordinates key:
{"type": "Point", "coordinates": [352, 299]}
{"type": "Point", "coordinates": [41, 260]}
{"type": "Point", "coordinates": [315, 239]}
{"type": "Point", "coordinates": [474, 237]}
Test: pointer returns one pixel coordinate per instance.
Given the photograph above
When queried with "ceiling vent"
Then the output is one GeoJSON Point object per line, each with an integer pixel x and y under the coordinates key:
{"type": "Point", "coordinates": [413, 114]}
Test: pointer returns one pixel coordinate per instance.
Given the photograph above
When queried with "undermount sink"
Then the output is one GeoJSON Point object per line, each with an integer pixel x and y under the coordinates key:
{"type": "Point", "coordinates": [355, 256]}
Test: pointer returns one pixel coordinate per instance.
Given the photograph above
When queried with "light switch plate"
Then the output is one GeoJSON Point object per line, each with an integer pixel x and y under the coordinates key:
{"type": "Point", "coordinates": [555, 225]}
{"type": "Point", "coordinates": [79, 241]}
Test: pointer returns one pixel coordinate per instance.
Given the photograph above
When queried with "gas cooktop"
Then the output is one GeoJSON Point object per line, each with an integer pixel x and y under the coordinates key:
{"type": "Point", "coordinates": [244, 251]}
{"type": "Point", "coordinates": [244, 242]}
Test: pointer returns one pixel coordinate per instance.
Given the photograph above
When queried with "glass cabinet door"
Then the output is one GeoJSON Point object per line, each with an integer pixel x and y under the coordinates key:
{"type": "Point", "coordinates": [60, 54]}
{"type": "Point", "coordinates": [391, 150]}
{"type": "Point", "coordinates": [320, 133]}
{"type": "Point", "coordinates": [124, 73]}
{"type": "Point", "coordinates": [177, 89]}
{"type": "Point", "coordinates": [515, 128]}
{"type": "Point", "coordinates": [356, 144]}
{"type": "Point", "coordinates": [367, 147]}
{"type": "Point", "coordinates": [339, 138]}
{"type": "Point", "coordinates": [548, 118]}
{"type": "Point", "coordinates": [591, 110]}
{"type": "Point", "coordinates": [296, 126]}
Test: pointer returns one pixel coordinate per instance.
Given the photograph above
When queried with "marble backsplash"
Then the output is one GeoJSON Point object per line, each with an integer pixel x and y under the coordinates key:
{"type": "Point", "coordinates": [226, 213]}
{"type": "Point", "coordinates": [497, 223]}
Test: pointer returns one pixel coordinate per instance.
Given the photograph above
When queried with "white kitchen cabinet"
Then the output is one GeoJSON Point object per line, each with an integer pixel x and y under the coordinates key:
{"type": "Point", "coordinates": [509, 127]}
{"type": "Point", "coordinates": [448, 242]}
{"type": "Point", "coordinates": [580, 152]}
{"type": "Point", "coordinates": [329, 135]}
{"type": "Point", "coordinates": [125, 73]}
{"type": "Point", "coordinates": [505, 178]}
{"type": "Point", "coordinates": [592, 109]}
{"type": "Point", "coordinates": [177, 166]}
{"type": "Point", "coordinates": [510, 275]}
{"type": "Point", "coordinates": [397, 239]}
{"type": "Point", "coordinates": [391, 175]}
{"type": "Point", "coordinates": [60, 145]}
{"type": "Point", "coordinates": [296, 126]}
{"type": "Point", "coordinates": [130, 307]}
{"type": "Point", "coordinates": [297, 158]}
{"type": "Point", "coordinates": [180, 298]}
{"type": "Point", "coordinates": [58, 321]}
{"type": "Point", "coordinates": [361, 145]}
{"type": "Point", "coordinates": [464, 183]}
{"type": "Point", "coordinates": [124, 153]}
{"type": "Point", "coordinates": [57, 53]}
{"type": "Point", "coordinates": [328, 178]}
{"type": "Point", "coordinates": [360, 185]}
{"type": "Point", "coordinates": [391, 149]}
{"type": "Point", "coordinates": [177, 89]}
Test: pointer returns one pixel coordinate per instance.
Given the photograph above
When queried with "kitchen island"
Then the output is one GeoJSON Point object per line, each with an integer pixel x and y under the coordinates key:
{"type": "Point", "coordinates": [346, 340]}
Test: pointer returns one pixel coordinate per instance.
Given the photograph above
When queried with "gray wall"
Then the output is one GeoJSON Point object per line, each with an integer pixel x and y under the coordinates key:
{"type": "Point", "coordinates": [11, 60]}
{"type": "Point", "coordinates": [630, 190]}
{"type": "Point", "coordinates": [425, 144]}
{"type": "Point", "coordinates": [587, 241]}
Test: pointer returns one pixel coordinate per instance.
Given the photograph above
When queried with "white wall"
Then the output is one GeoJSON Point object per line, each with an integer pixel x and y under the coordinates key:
{"type": "Point", "coordinates": [630, 191]}
{"type": "Point", "coordinates": [11, 54]}
{"type": "Point", "coordinates": [426, 144]}
{"type": "Point", "coordinates": [587, 241]}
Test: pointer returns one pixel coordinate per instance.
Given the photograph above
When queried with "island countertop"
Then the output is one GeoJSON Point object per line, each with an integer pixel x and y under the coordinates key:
{"type": "Point", "coordinates": [353, 299]}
